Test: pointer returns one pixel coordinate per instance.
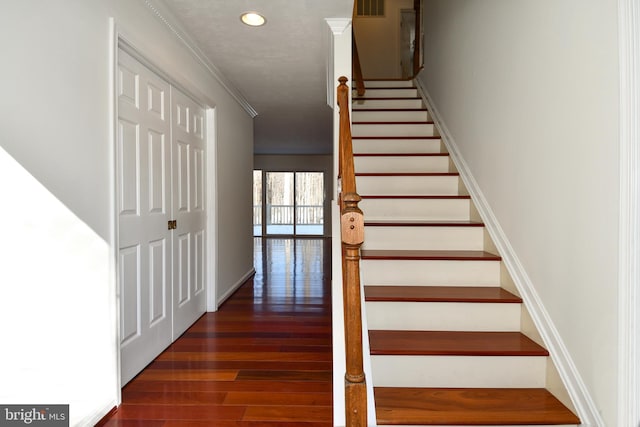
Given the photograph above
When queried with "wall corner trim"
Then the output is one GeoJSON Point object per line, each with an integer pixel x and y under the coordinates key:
{"type": "Point", "coordinates": [629, 229]}
{"type": "Point", "coordinates": [337, 28]}
{"type": "Point", "coordinates": [164, 15]}
{"type": "Point", "coordinates": [585, 406]}
{"type": "Point", "coordinates": [338, 25]}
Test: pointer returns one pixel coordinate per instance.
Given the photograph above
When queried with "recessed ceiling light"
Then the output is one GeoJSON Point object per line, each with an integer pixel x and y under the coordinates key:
{"type": "Point", "coordinates": [253, 19]}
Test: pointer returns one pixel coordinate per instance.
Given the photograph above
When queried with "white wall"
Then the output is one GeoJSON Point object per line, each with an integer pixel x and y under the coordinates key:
{"type": "Point", "coordinates": [379, 41]}
{"type": "Point", "coordinates": [235, 191]}
{"type": "Point", "coordinates": [303, 163]}
{"type": "Point", "coordinates": [58, 290]}
{"type": "Point", "coordinates": [529, 92]}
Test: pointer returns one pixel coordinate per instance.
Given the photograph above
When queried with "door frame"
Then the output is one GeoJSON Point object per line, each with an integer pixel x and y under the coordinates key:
{"type": "Point", "coordinates": [119, 38]}
{"type": "Point", "coordinates": [402, 11]}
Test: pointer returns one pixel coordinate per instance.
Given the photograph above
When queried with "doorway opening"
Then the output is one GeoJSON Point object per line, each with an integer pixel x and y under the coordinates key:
{"type": "Point", "coordinates": [407, 42]}
{"type": "Point", "coordinates": [288, 203]}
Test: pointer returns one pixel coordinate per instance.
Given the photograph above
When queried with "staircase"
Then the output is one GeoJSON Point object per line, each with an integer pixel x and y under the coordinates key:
{"type": "Point", "coordinates": [445, 335]}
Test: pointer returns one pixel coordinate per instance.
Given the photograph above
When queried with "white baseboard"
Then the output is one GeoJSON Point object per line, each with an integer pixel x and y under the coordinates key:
{"type": "Point", "coordinates": [93, 419]}
{"type": "Point", "coordinates": [585, 406]}
{"type": "Point", "coordinates": [235, 286]}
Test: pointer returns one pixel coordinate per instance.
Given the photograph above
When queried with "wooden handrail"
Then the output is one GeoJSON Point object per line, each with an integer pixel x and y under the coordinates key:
{"type": "Point", "coordinates": [417, 37]}
{"type": "Point", "coordinates": [352, 237]}
{"type": "Point", "coordinates": [357, 69]}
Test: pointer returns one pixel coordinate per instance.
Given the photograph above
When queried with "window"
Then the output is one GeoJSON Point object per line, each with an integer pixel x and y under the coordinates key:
{"type": "Point", "coordinates": [370, 8]}
{"type": "Point", "coordinates": [288, 203]}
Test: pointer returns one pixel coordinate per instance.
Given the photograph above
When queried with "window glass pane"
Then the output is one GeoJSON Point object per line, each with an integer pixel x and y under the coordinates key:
{"type": "Point", "coordinates": [257, 203]}
{"type": "Point", "coordinates": [279, 203]}
{"type": "Point", "coordinates": [309, 203]}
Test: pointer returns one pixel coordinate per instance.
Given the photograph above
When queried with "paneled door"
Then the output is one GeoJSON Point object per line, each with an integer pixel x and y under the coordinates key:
{"type": "Point", "coordinates": [161, 213]}
{"type": "Point", "coordinates": [144, 209]}
{"type": "Point", "coordinates": [188, 137]}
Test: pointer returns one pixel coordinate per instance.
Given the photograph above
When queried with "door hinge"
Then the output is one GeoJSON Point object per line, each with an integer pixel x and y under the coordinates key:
{"type": "Point", "coordinates": [172, 224]}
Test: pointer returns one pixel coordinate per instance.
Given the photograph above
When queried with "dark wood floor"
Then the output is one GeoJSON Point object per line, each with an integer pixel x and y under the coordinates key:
{"type": "Point", "coordinates": [262, 360]}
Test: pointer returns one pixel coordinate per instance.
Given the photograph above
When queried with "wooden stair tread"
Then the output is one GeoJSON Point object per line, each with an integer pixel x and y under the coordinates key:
{"type": "Point", "coordinates": [453, 343]}
{"type": "Point", "coordinates": [391, 110]}
{"type": "Point", "coordinates": [409, 196]}
{"type": "Point", "coordinates": [413, 223]}
{"type": "Point", "coordinates": [398, 137]}
{"type": "Point", "coordinates": [388, 87]}
{"type": "Point", "coordinates": [416, 254]}
{"type": "Point", "coordinates": [379, 122]}
{"type": "Point", "coordinates": [357, 107]}
{"type": "Point", "coordinates": [481, 406]}
{"type": "Point", "coordinates": [408, 174]}
{"type": "Point", "coordinates": [401, 155]}
{"type": "Point", "coordinates": [387, 79]}
{"type": "Point", "coordinates": [364, 98]}
{"type": "Point", "coordinates": [474, 294]}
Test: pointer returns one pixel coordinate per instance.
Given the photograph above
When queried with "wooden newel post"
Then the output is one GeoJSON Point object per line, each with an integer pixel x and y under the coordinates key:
{"type": "Point", "coordinates": [352, 237]}
{"type": "Point", "coordinates": [352, 226]}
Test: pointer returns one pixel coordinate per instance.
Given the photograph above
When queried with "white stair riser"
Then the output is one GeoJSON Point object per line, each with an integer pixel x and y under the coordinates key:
{"type": "Point", "coordinates": [443, 316]}
{"type": "Point", "coordinates": [397, 146]}
{"type": "Point", "coordinates": [387, 103]}
{"type": "Point", "coordinates": [390, 116]}
{"type": "Point", "coordinates": [415, 209]}
{"type": "Point", "coordinates": [459, 371]}
{"type": "Point", "coordinates": [430, 272]}
{"type": "Point", "coordinates": [389, 93]}
{"type": "Point", "coordinates": [401, 164]}
{"type": "Point", "coordinates": [387, 83]}
{"type": "Point", "coordinates": [407, 185]}
{"type": "Point", "coordinates": [424, 238]}
{"type": "Point", "coordinates": [400, 129]}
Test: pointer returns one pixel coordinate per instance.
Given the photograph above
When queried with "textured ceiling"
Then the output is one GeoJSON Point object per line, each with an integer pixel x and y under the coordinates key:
{"type": "Point", "coordinates": [280, 67]}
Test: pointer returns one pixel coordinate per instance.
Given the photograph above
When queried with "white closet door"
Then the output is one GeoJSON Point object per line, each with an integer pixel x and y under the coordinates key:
{"type": "Point", "coordinates": [188, 137]}
{"type": "Point", "coordinates": [144, 209]}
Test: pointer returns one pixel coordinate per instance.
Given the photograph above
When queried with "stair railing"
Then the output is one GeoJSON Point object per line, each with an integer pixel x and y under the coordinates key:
{"type": "Point", "coordinates": [357, 69]}
{"type": "Point", "coordinates": [352, 237]}
{"type": "Point", "coordinates": [358, 80]}
{"type": "Point", "coordinates": [417, 37]}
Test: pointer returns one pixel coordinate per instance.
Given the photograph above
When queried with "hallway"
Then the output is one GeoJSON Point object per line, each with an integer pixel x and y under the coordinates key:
{"type": "Point", "coordinates": [263, 359]}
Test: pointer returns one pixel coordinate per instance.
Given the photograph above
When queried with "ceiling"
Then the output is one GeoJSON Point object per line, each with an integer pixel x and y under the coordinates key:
{"type": "Point", "coordinates": [280, 68]}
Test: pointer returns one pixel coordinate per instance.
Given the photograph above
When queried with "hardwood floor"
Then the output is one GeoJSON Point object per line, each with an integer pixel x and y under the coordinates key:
{"type": "Point", "coordinates": [263, 360]}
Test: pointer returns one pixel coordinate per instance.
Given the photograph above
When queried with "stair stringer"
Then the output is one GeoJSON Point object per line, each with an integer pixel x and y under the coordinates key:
{"type": "Point", "coordinates": [559, 355]}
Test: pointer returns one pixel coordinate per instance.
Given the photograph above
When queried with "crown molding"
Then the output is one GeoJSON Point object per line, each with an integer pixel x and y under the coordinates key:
{"type": "Point", "coordinates": [164, 15]}
{"type": "Point", "coordinates": [338, 25]}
